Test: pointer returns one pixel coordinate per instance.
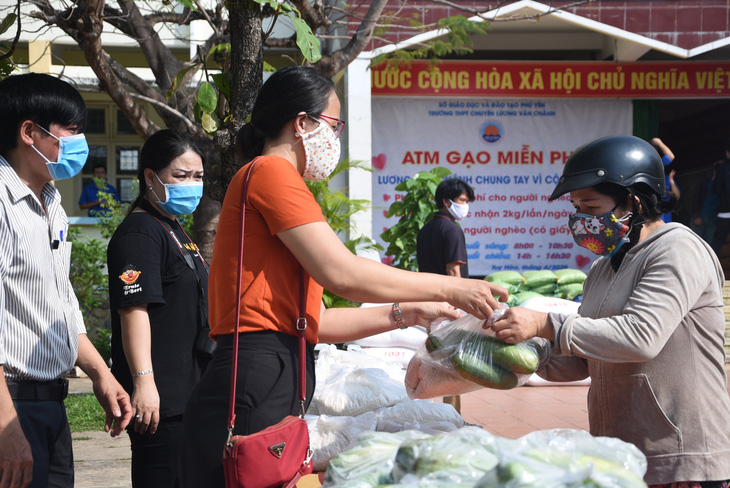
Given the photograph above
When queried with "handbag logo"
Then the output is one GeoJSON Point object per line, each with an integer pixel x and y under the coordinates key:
{"type": "Point", "coordinates": [277, 449]}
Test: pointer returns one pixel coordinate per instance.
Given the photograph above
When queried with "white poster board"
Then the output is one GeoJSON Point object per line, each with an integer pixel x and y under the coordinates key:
{"type": "Point", "coordinates": [512, 152]}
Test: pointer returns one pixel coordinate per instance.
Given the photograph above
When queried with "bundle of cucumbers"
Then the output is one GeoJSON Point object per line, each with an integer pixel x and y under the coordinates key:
{"type": "Point", "coordinates": [484, 359]}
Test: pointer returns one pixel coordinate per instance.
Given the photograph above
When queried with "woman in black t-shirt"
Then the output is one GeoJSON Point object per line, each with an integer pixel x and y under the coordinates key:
{"type": "Point", "coordinates": [158, 284]}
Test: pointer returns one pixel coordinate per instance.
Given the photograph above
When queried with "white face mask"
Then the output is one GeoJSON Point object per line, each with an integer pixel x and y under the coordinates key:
{"type": "Point", "coordinates": [321, 152]}
{"type": "Point", "coordinates": [458, 210]}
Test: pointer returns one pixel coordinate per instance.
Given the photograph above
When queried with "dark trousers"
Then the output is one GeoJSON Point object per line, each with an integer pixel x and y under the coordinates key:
{"type": "Point", "coordinates": [46, 428]}
{"type": "Point", "coordinates": [722, 230]}
{"type": "Point", "coordinates": [157, 458]}
{"type": "Point", "coordinates": [266, 391]}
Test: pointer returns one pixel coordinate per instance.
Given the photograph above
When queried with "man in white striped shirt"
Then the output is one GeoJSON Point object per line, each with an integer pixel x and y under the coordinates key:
{"type": "Point", "coordinates": [42, 334]}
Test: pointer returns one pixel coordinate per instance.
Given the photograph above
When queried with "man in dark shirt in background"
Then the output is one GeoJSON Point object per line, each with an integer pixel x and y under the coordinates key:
{"type": "Point", "coordinates": [441, 247]}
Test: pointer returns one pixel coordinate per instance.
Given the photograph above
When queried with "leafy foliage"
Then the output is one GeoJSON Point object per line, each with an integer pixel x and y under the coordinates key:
{"type": "Point", "coordinates": [84, 413]}
{"type": "Point", "coordinates": [338, 208]}
{"type": "Point", "coordinates": [208, 108]}
{"type": "Point", "coordinates": [416, 208]}
{"type": "Point", "coordinates": [88, 258]}
{"type": "Point", "coordinates": [7, 65]}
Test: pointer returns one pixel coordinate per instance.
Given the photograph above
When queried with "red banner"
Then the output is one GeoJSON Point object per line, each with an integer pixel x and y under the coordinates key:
{"type": "Point", "coordinates": [554, 79]}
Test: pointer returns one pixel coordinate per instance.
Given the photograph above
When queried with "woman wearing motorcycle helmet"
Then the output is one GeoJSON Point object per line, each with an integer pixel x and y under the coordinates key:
{"type": "Point", "coordinates": [650, 329]}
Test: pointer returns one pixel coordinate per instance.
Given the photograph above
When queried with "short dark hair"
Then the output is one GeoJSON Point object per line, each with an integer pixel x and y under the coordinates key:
{"type": "Point", "coordinates": [159, 151]}
{"type": "Point", "coordinates": [287, 93]}
{"type": "Point", "coordinates": [652, 205]}
{"type": "Point", "coordinates": [44, 99]}
{"type": "Point", "coordinates": [450, 189]}
{"type": "Point", "coordinates": [98, 165]}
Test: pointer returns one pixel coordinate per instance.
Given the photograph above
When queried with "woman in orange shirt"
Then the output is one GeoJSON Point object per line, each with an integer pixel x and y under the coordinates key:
{"type": "Point", "coordinates": [294, 135]}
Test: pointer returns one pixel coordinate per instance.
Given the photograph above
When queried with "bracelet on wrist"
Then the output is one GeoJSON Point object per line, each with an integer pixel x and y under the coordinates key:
{"type": "Point", "coordinates": [142, 373]}
{"type": "Point", "coordinates": [398, 317]}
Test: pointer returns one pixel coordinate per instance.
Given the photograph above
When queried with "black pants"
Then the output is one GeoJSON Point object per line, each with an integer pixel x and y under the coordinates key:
{"type": "Point", "coordinates": [46, 429]}
{"type": "Point", "coordinates": [266, 391]}
{"type": "Point", "coordinates": [157, 458]}
{"type": "Point", "coordinates": [722, 230]}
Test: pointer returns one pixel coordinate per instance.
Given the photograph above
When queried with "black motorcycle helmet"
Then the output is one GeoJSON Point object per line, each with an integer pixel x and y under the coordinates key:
{"type": "Point", "coordinates": [624, 160]}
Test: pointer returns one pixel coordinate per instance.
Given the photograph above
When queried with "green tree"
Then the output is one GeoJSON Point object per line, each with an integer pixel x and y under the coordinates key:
{"type": "Point", "coordinates": [416, 208]}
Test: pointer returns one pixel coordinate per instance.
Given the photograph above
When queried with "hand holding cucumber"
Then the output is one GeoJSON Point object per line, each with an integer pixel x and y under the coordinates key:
{"type": "Point", "coordinates": [519, 324]}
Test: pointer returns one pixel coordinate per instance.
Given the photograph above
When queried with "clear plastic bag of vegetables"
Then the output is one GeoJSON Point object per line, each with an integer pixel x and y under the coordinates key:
{"type": "Point", "coordinates": [462, 356]}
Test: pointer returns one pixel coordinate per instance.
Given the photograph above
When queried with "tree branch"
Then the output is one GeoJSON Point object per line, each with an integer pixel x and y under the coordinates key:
{"type": "Point", "coordinates": [336, 61]}
{"type": "Point", "coordinates": [167, 108]}
{"type": "Point", "coordinates": [10, 52]}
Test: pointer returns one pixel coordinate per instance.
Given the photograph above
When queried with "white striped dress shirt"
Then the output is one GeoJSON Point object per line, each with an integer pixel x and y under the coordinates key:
{"type": "Point", "coordinates": [40, 320]}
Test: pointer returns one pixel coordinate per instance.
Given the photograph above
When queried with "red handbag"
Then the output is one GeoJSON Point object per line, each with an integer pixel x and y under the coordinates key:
{"type": "Point", "coordinates": [278, 455]}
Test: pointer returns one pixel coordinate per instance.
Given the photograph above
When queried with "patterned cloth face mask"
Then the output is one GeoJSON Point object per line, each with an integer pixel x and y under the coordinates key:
{"type": "Point", "coordinates": [321, 152]}
{"type": "Point", "coordinates": [601, 234]}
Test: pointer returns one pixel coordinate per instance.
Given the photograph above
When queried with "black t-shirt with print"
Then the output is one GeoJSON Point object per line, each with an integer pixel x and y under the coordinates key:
{"type": "Point", "coordinates": [147, 266]}
{"type": "Point", "coordinates": [439, 243]}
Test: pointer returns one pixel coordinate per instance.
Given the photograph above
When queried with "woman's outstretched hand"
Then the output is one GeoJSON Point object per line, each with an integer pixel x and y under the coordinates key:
{"type": "Point", "coordinates": [477, 297]}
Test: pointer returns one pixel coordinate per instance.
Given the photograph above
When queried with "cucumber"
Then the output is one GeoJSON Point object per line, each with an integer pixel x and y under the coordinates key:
{"type": "Point", "coordinates": [433, 342]}
{"type": "Point", "coordinates": [520, 359]}
{"type": "Point", "coordinates": [482, 373]}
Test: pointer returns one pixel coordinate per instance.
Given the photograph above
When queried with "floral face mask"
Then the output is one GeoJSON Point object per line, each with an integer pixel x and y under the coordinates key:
{"type": "Point", "coordinates": [601, 234]}
{"type": "Point", "coordinates": [321, 151]}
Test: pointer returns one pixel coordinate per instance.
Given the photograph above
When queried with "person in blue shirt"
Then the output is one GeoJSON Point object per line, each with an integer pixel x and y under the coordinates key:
{"type": "Point", "coordinates": [90, 195]}
{"type": "Point", "coordinates": [667, 158]}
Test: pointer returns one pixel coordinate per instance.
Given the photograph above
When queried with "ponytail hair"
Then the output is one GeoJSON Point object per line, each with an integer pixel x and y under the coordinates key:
{"type": "Point", "coordinates": [287, 93]}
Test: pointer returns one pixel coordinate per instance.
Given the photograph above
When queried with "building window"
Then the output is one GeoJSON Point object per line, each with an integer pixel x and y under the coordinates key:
{"type": "Point", "coordinates": [114, 143]}
{"type": "Point", "coordinates": [96, 121]}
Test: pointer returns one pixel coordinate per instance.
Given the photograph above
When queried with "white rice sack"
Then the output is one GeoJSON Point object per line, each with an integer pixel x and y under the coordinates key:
{"type": "Point", "coordinates": [330, 360]}
{"type": "Point", "coordinates": [550, 304]}
{"type": "Point", "coordinates": [397, 417]}
{"type": "Point", "coordinates": [398, 356]}
{"type": "Point", "coordinates": [356, 391]}
{"type": "Point", "coordinates": [412, 338]}
{"type": "Point", "coordinates": [329, 436]}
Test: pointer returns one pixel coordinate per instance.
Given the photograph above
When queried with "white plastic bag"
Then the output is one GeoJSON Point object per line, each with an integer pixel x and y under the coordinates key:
{"type": "Point", "coordinates": [464, 355]}
{"type": "Point", "coordinates": [329, 436]}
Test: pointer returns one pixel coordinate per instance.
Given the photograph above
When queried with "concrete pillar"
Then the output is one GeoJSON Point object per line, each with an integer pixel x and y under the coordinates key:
{"type": "Point", "coordinates": [39, 56]}
{"type": "Point", "coordinates": [359, 139]}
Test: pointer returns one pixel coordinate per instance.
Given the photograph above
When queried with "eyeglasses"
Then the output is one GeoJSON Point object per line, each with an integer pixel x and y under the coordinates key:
{"type": "Point", "coordinates": [338, 128]}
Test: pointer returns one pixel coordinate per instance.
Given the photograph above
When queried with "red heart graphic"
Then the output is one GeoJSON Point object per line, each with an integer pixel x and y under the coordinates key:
{"type": "Point", "coordinates": [582, 261]}
{"type": "Point", "coordinates": [385, 213]}
{"type": "Point", "coordinates": [379, 161]}
{"type": "Point", "coordinates": [387, 260]}
{"type": "Point", "coordinates": [386, 197]}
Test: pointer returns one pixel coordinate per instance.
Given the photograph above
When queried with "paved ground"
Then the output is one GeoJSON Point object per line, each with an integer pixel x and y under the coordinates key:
{"type": "Point", "coordinates": [101, 461]}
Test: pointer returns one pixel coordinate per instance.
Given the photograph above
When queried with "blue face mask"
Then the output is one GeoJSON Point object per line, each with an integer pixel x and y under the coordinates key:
{"type": "Point", "coordinates": [181, 198]}
{"type": "Point", "coordinates": [72, 154]}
